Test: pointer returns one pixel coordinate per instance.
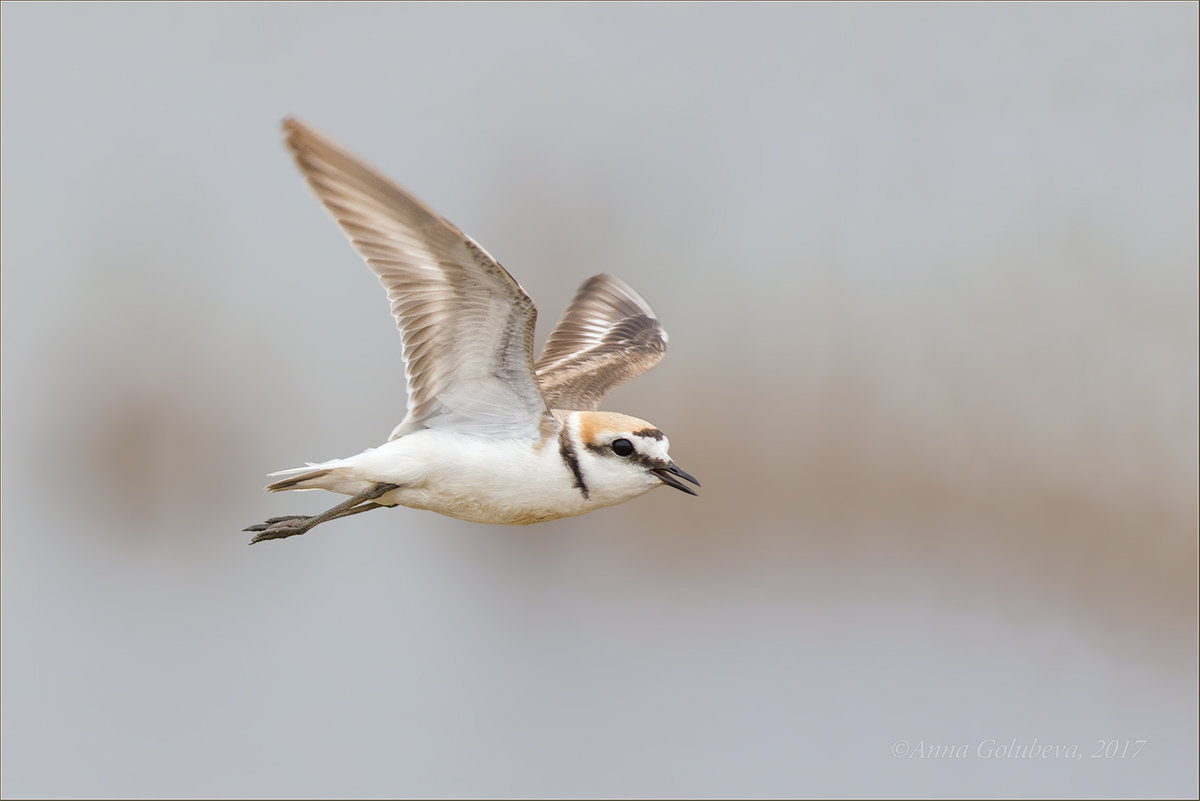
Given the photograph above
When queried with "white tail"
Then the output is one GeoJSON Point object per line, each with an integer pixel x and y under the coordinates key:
{"type": "Point", "coordinates": [312, 479]}
{"type": "Point", "coordinates": [338, 475]}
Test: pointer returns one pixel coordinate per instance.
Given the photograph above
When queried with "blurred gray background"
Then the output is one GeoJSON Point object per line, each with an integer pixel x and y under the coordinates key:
{"type": "Point", "coordinates": [930, 274]}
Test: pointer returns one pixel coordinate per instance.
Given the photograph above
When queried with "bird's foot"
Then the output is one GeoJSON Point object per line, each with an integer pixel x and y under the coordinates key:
{"type": "Point", "coordinates": [274, 528]}
{"type": "Point", "coordinates": [270, 521]}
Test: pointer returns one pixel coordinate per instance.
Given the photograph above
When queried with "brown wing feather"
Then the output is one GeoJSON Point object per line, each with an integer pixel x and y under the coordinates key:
{"type": "Point", "coordinates": [607, 336]}
{"type": "Point", "coordinates": [466, 324]}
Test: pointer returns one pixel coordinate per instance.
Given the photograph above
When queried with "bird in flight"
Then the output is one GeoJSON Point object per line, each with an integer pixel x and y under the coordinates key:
{"type": "Point", "coordinates": [490, 435]}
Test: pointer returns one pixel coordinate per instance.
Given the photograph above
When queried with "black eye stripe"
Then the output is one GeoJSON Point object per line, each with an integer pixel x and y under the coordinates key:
{"type": "Point", "coordinates": [648, 462]}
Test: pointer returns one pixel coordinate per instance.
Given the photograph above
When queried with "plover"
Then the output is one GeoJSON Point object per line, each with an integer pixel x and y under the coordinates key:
{"type": "Point", "coordinates": [490, 436]}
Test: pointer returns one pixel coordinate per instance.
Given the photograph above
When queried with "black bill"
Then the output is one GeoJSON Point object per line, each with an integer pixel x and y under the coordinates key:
{"type": "Point", "coordinates": [667, 475]}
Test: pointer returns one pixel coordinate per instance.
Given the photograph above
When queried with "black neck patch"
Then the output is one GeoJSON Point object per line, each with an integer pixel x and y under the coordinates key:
{"type": "Point", "coordinates": [567, 450]}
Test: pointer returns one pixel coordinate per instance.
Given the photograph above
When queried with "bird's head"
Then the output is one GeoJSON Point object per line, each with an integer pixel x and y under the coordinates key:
{"type": "Point", "coordinates": [622, 457]}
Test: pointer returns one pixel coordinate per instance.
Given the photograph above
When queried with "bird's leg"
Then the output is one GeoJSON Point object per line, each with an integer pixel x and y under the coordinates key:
{"type": "Point", "coordinates": [289, 526]}
{"type": "Point", "coordinates": [294, 520]}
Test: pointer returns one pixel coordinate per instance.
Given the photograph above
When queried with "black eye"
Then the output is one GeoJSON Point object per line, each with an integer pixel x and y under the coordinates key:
{"type": "Point", "coordinates": [622, 447]}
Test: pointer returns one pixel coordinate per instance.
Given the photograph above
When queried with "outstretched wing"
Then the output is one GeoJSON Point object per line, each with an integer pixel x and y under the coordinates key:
{"type": "Point", "coordinates": [466, 324]}
{"type": "Point", "coordinates": [608, 335]}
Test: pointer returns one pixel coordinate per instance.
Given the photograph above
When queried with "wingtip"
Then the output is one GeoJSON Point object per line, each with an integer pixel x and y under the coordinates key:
{"type": "Point", "coordinates": [295, 132]}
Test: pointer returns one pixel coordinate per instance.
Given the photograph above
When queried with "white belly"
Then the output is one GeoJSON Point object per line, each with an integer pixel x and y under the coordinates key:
{"type": "Point", "coordinates": [482, 480]}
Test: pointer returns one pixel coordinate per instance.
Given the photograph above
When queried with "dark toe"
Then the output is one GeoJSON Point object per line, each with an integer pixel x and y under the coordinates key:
{"type": "Point", "coordinates": [272, 521]}
{"type": "Point", "coordinates": [280, 528]}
